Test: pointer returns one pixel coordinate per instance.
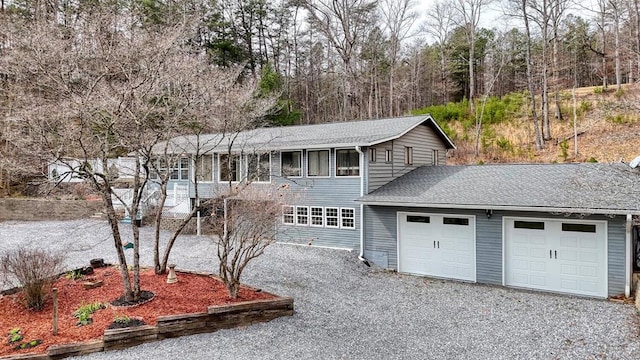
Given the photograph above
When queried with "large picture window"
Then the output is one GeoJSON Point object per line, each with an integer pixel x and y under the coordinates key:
{"type": "Point", "coordinates": [258, 167]}
{"type": "Point", "coordinates": [291, 163]}
{"type": "Point", "coordinates": [318, 163]}
{"type": "Point", "coordinates": [347, 163]}
{"type": "Point", "coordinates": [229, 167]}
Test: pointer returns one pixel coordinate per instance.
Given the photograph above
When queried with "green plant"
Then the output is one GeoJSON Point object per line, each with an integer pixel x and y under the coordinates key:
{"type": "Point", "coordinates": [121, 319]}
{"type": "Point", "coordinates": [564, 150]}
{"type": "Point", "coordinates": [504, 144]}
{"type": "Point", "coordinates": [29, 344]}
{"type": "Point", "coordinates": [84, 312]}
{"type": "Point", "coordinates": [619, 93]}
{"type": "Point", "coordinates": [585, 107]}
{"type": "Point", "coordinates": [14, 335]}
{"type": "Point", "coordinates": [598, 90]}
{"type": "Point", "coordinates": [74, 274]}
{"type": "Point", "coordinates": [592, 160]}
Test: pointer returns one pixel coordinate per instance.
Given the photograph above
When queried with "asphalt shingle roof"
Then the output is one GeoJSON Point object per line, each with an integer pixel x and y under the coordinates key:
{"type": "Point", "coordinates": [338, 134]}
{"type": "Point", "coordinates": [584, 187]}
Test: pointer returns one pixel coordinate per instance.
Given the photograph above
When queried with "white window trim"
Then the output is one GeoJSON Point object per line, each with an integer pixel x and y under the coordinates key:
{"type": "Point", "coordinates": [220, 168]}
{"type": "Point", "coordinates": [301, 164]}
{"type": "Point", "coordinates": [335, 163]}
{"type": "Point", "coordinates": [372, 151]}
{"type": "Point", "coordinates": [435, 154]}
{"type": "Point", "coordinates": [246, 159]}
{"type": "Point", "coordinates": [408, 155]}
{"type": "Point", "coordinates": [388, 156]}
{"type": "Point", "coordinates": [293, 214]}
{"type": "Point", "coordinates": [306, 168]}
{"type": "Point", "coordinates": [340, 218]}
{"type": "Point", "coordinates": [326, 223]}
{"type": "Point", "coordinates": [311, 216]}
{"type": "Point", "coordinates": [308, 216]}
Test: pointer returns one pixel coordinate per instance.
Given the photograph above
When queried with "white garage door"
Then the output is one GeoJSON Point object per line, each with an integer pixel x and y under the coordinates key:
{"type": "Point", "coordinates": [556, 255]}
{"type": "Point", "coordinates": [437, 245]}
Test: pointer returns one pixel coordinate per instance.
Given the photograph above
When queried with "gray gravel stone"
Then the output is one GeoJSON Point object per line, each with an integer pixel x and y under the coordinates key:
{"type": "Point", "coordinates": [345, 310]}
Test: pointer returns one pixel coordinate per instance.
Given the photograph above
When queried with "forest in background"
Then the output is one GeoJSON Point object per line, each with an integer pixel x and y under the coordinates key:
{"type": "Point", "coordinates": [339, 60]}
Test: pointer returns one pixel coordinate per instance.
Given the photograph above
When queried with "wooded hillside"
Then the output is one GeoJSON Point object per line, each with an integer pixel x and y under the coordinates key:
{"type": "Point", "coordinates": [498, 74]}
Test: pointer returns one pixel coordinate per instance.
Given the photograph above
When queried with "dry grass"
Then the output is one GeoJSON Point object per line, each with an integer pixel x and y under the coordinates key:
{"type": "Point", "coordinates": [610, 126]}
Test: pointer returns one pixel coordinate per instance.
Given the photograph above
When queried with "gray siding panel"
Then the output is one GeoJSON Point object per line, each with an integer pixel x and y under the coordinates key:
{"type": "Point", "coordinates": [326, 193]}
{"type": "Point", "coordinates": [380, 228]}
{"type": "Point", "coordinates": [616, 255]}
{"type": "Point", "coordinates": [422, 139]}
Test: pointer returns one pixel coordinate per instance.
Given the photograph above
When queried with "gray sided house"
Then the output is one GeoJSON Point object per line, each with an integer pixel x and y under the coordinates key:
{"type": "Point", "coordinates": [329, 167]}
{"type": "Point", "coordinates": [564, 228]}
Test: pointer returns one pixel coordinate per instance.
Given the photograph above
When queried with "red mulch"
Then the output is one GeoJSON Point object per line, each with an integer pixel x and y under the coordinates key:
{"type": "Point", "coordinates": [192, 293]}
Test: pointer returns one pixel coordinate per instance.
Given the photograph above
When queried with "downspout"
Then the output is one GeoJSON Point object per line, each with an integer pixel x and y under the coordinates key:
{"type": "Point", "coordinates": [362, 167]}
{"type": "Point", "coordinates": [628, 264]}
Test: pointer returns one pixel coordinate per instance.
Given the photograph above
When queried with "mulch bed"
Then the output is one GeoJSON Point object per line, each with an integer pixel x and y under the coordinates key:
{"type": "Point", "coordinates": [192, 293]}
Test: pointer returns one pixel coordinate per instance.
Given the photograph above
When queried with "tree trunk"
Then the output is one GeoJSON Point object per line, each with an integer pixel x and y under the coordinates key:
{"type": "Point", "coordinates": [117, 240]}
{"type": "Point", "coordinates": [536, 128]}
{"type": "Point", "coordinates": [157, 220]}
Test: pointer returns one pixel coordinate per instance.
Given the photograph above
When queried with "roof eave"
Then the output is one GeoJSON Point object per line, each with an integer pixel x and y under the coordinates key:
{"type": "Point", "coordinates": [427, 119]}
{"type": "Point", "coordinates": [504, 207]}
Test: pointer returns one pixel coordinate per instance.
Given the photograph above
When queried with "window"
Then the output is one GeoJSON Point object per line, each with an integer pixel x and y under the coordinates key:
{"type": "Point", "coordinates": [287, 215]}
{"type": "Point", "coordinates": [318, 163]}
{"type": "Point", "coordinates": [588, 228]}
{"type": "Point", "coordinates": [258, 167]}
{"type": "Point", "coordinates": [179, 169]}
{"type": "Point", "coordinates": [302, 215]}
{"type": "Point", "coordinates": [347, 163]}
{"type": "Point", "coordinates": [204, 168]}
{"type": "Point", "coordinates": [434, 157]}
{"type": "Point", "coordinates": [291, 163]}
{"type": "Point", "coordinates": [317, 216]}
{"type": "Point", "coordinates": [348, 218]}
{"type": "Point", "coordinates": [455, 221]}
{"type": "Point", "coordinates": [388, 155]}
{"type": "Point", "coordinates": [331, 217]}
{"type": "Point", "coordinates": [408, 155]}
{"type": "Point", "coordinates": [372, 155]}
{"type": "Point", "coordinates": [418, 219]}
{"type": "Point", "coordinates": [229, 167]}
{"type": "Point", "coordinates": [532, 225]}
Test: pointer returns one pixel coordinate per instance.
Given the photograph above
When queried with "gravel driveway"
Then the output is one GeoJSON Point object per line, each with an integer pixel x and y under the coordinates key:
{"type": "Point", "coordinates": [345, 310]}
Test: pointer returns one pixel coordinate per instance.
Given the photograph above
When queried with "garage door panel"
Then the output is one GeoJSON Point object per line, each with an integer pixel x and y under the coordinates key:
{"type": "Point", "coordinates": [577, 263]}
{"type": "Point", "coordinates": [453, 256]}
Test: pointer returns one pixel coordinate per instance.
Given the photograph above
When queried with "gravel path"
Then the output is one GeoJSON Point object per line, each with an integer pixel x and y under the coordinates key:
{"type": "Point", "coordinates": [345, 310]}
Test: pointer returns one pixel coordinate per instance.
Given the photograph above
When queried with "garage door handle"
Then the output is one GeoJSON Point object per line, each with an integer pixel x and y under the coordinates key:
{"type": "Point", "coordinates": [550, 256]}
{"type": "Point", "coordinates": [434, 244]}
{"type": "Point", "coordinates": [556, 253]}
{"type": "Point", "coordinates": [438, 244]}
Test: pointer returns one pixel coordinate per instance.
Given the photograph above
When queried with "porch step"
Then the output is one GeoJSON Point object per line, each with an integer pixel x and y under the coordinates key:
{"type": "Point", "coordinates": [98, 215]}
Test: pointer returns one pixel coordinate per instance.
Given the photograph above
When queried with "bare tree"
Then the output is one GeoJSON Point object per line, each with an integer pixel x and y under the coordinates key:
{"type": "Point", "coordinates": [468, 14]}
{"type": "Point", "coordinates": [398, 19]}
{"type": "Point", "coordinates": [248, 224]}
{"type": "Point", "coordinates": [107, 86]}
{"type": "Point", "coordinates": [343, 23]}
{"type": "Point", "coordinates": [439, 25]}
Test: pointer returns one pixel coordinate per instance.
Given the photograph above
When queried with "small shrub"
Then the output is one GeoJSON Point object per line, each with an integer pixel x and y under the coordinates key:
{"type": "Point", "coordinates": [585, 107]}
{"type": "Point", "coordinates": [34, 270]}
{"type": "Point", "coordinates": [564, 150]}
{"type": "Point", "coordinates": [619, 93]}
{"type": "Point", "coordinates": [504, 144]}
{"type": "Point", "coordinates": [592, 160]}
{"type": "Point", "coordinates": [598, 90]}
{"type": "Point", "coordinates": [121, 319]}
